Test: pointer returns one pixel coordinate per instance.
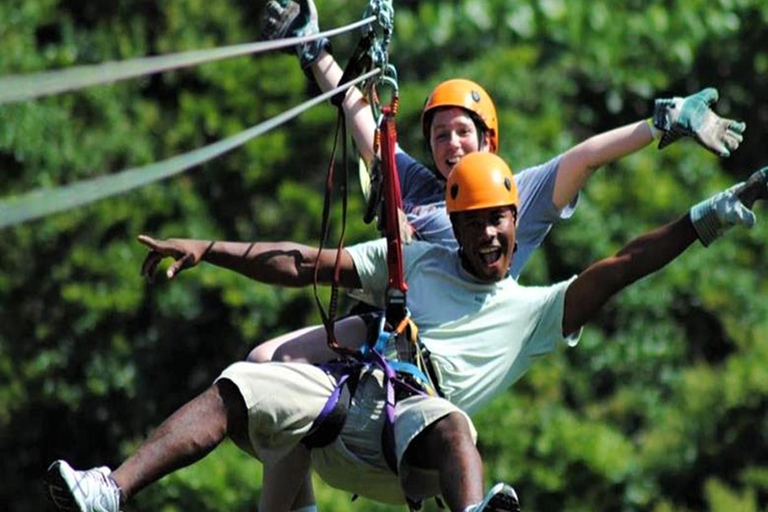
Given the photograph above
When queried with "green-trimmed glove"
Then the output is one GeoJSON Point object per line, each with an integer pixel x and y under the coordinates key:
{"type": "Point", "coordinates": [692, 117]}
{"type": "Point", "coordinates": [286, 18]}
{"type": "Point", "coordinates": [714, 216]}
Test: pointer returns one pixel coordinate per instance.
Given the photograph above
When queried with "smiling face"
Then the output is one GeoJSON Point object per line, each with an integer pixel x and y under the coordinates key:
{"type": "Point", "coordinates": [487, 240]}
{"type": "Point", "coordinates": [452, 135]}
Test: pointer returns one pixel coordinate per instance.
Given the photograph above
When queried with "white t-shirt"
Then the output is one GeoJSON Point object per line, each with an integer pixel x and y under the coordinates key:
{"type": "Point", "coordinates": [482, 337]}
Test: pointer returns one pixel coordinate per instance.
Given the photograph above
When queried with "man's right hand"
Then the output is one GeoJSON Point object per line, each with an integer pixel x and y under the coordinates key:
{"type": "Point", "coordinates": [286, 18]}
{"type": "Point", "coordinates": [187, 254]}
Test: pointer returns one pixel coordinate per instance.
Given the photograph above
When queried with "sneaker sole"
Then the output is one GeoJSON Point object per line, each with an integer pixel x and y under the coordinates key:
{"type": "Point", "coordinates": [58, 490]}
{"type": "Point", "coordinates": [503, 503]}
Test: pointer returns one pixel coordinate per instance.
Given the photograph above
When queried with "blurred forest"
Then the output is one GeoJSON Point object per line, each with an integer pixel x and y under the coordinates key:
{"type": "Point", "coordinates": [661, 407]}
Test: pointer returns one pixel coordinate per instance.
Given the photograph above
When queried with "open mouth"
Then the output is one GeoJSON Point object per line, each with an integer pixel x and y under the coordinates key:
{"type": "Point", "coordinates": [490, 255]}
{"type": "Point", "coordinates": [451, 162]}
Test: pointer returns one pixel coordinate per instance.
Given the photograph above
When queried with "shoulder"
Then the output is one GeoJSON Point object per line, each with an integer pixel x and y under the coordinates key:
{"type": "Point", "coordinates": [420, 252]}
{"type": "Point", "coordinates": [530, 176]}
{"type": "Point", "coordinates": [368, 250]}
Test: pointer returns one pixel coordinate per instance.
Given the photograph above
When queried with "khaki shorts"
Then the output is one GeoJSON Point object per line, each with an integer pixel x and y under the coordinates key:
{"type": "Point", "coordinates": [283, 399]}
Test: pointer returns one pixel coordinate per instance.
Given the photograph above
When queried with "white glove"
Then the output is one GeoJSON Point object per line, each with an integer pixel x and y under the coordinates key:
{"type": "Point", "coordinates": [714, 216]}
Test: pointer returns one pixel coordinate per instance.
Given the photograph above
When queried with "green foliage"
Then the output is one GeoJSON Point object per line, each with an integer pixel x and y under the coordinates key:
{"type": "Point", "coordinates": [661, 406]}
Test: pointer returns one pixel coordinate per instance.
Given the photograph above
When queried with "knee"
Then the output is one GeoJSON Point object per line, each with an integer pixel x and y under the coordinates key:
{"type": "Point", "coordinates": [449, 435]}
{"type": "Point", "coordinates": [260, 354]}
{"type": "Point", "coordinates": [236, 412]}
{"type": "Point", "coordinates": [452, 430]}
{"type": "Point", "coordinates": [282, 354]}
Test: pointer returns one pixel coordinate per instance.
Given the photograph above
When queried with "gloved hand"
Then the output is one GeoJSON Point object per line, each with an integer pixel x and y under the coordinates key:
{"type": "Point", "coordinates": [286, 18]}
{"type": "Point", "coordinates": [714, 216]}
{"type": "Point", "coordinates": [692, 116]}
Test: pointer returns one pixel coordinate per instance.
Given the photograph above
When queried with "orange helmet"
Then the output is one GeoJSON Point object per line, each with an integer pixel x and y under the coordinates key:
{"type": "Point", "coordinates": [480, 180]}
{"type": "Point", "coordinates": [469, 96]}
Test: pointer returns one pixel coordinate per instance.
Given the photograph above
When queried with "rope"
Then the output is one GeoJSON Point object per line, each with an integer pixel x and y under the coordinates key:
{"type": "Point", "coordinates": [42, 202]}
{"type": "Point", "coordinates": [17, 88]}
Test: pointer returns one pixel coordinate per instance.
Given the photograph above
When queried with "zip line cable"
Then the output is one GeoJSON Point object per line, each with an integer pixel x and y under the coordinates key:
{"type": "Point", "coordinates": [17, 88]}
{"type": "Point", "coordinates": [43, 202]}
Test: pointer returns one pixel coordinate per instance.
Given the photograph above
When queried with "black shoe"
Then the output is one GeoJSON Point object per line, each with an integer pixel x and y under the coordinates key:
{"type": "Point", "coordinates": [501, 498]}
{"type": "Point", "coordinates": [755, 188]}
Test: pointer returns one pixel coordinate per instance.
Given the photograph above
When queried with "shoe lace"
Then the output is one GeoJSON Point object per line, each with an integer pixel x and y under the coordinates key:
{"type": "Point", "coordinates": [103, 478]}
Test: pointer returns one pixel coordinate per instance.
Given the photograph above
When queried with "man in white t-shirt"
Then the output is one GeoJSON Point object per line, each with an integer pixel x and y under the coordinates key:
{"type": "Point", "coordinates": [482, 328]}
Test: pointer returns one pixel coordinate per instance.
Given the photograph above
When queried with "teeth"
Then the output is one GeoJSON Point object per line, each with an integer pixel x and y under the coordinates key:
{"type": "Point", "coordinates": [488, 250]}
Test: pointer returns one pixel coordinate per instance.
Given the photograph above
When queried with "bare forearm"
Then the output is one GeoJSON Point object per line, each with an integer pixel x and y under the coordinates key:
{"type": "Point", "coordinates": [651, 252]}
{"type": "Point", "coordinates": [357, 112]}
{"type": "Point", "coordinates": [640, 257]}
{"type": "Point", "coordinates": [582, 160]}
{"type": "Point", "coordinates": [281, 263]}
{"type": "Point", "coordinates": [618, 143]}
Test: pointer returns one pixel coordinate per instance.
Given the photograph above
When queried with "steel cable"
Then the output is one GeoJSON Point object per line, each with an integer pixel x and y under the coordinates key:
{"type": "Point", "coordinates": [43, 202]}
{"type": "Point", "coordinates": [17, 88]}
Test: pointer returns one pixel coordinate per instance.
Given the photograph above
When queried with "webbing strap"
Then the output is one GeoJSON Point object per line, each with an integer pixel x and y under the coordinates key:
{"type": "Point", "coordinates": [396, 286]}
{"type": "Point", "coordinates": [357, 65]}
{"type": "Point", "coordinates": [329, 316]}
{"type": "Point", "coordinates": [388, 432]}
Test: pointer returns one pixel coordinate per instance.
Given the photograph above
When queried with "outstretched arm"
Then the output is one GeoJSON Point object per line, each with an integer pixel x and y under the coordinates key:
{"type": "Point", "coordinates": [641, 257]}
{"type": "Point", "coordinates": [281, 263]}
{"type": "Point", "coordinates": [579, 162]}
{"type": "Point", "coordinates": [673, 118]}
{"type": "Point", "coordinates": [357, 111]}
{"type": "Point", "coordinates": [287, 18]}
{"type": "Point", "coordinates": [648, 253]}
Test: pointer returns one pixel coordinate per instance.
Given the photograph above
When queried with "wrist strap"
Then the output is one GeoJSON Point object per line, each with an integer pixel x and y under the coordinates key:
{"type": "Point", "coordinates": [662, 115]}
{"type": "Point", "coordinates": [655, 132]}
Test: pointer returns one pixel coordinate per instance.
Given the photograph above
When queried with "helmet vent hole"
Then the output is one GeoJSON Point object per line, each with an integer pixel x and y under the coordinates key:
{"type": "Point", "coordinates": [476, 96]}
{"type": "Point", "coordinates": [454, 191]}
{"type": "Point", "coordinates": [508, 184]}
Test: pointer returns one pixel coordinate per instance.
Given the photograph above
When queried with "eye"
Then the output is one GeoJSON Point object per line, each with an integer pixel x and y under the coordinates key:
{"type": "Point", "coordinates": [475, 223]}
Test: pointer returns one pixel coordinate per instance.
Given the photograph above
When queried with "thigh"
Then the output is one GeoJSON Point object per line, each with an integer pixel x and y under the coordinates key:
{"type": "Point", "coordinates": [283, 481]}
{"type": "Point", "coordinates": [311, 345]}
{"type": "Point", "coordinates": [282, 401]}
{"type": "Point", "coordinates": [415, 416]}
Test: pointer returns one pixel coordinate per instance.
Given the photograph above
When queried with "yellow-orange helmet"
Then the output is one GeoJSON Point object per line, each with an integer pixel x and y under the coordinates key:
{"type": "Point", "coordinates": [480, 180]}
{"type": "Point", "coordinates": [468, 95]}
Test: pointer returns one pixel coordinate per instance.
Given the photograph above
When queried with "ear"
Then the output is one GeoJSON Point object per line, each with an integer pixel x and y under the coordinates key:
{"type": "Point", "coordinates": [456, 228]}
{"type": "Point", "coordinates": [485, 143]}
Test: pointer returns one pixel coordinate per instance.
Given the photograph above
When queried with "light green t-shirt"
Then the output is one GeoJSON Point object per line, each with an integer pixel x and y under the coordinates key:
{"type": "Point", "coordinates": [483, 337]}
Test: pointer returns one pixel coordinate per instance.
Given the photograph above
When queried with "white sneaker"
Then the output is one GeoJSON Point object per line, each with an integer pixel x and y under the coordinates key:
{"type": "Point", "coordinates": [82, 491]}
{"type": "Point", "coordinates": [501, 498]}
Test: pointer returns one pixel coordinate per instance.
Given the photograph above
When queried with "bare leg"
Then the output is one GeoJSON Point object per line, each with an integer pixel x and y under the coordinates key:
{"type": "Point", "coordinates": [447, 446]}
{"type": "Point", "coordinates": [309, 345]}
{"type": "Point", "coordinates": [187, 436]}
{"type": "Point", "coordinates": [287, 484]}
{"type": "Point", "coordinates": [306, 494]}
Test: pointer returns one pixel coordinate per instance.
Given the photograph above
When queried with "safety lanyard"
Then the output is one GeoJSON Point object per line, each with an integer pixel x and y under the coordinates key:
{"type": "Point", "coordinates": [397, 288]}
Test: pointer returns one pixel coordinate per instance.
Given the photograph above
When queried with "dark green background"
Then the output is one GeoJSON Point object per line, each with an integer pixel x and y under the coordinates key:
{"type": "Point", "coordinates": [661, 407]}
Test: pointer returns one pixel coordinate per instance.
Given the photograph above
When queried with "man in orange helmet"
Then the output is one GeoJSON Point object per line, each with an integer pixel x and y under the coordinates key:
{"type": "Point", "coordinates": [484, 331]}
